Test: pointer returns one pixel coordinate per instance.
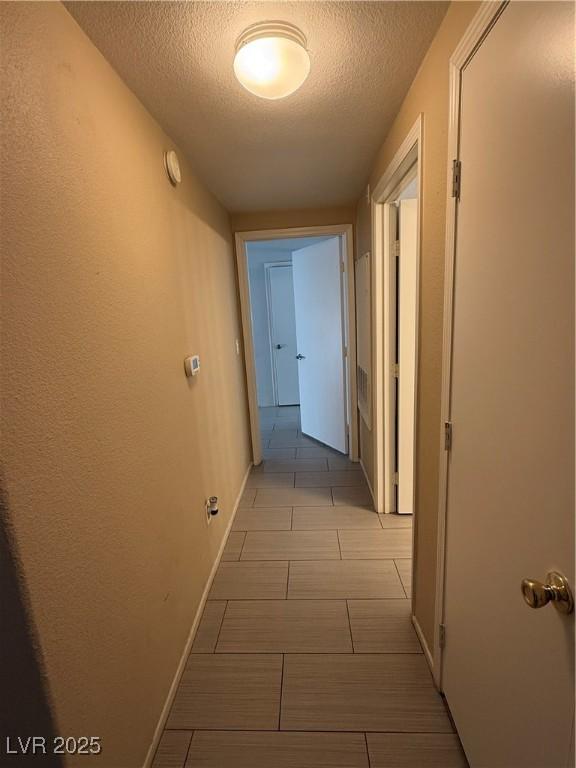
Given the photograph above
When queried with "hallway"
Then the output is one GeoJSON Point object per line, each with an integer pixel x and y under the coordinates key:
{"type": "Point", "coordinates": [306, 655]}
{"type": "Point", "coordinates": [287, 363]}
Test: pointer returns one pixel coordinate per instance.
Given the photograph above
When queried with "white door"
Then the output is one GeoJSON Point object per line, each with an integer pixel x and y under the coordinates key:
{"type": "Point", "coordinates": [407, 273]}
{"type": "Point", "coordinates": [283, 334]}
{"type": "Point", "coordinates": [319, 306]}
{"type": "Point", "coordinates": [508, 671]}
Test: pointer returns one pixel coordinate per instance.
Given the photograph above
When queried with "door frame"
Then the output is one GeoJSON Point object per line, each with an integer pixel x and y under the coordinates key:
{"type": "Point", "coordinates": [344, 231]}
{"type": "Point", "coordinates": [409, 153]}
{"type": "Point", "coordinates": [270, 317]}
{"type": "Point", "coordinates": [479, 27]}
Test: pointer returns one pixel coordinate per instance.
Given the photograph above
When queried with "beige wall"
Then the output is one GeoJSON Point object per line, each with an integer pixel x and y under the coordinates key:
{"type": "Point", "coordinates": [110, 278]}
{"type": "Point", "coordinates": [306, 217]}
{"type": "Point", "coordinates": [427, 95]}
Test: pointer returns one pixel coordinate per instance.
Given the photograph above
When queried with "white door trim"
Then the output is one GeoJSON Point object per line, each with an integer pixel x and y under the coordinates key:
{"type": "Point", "coordinates": [241, 239]}
{"type": "Point", "coordinates": [479, 27]}
{"type": "Point", "coordinates": [269, 316]}
{"type": "Point", "coordinates": [409, 152]}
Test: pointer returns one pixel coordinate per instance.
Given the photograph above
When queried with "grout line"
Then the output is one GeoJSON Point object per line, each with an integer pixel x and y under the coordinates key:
{"type": "Point", "coordinates": [299, 730]}
{"type": "Point", "coordinates": [189, 748]}
{"type": "Point", "coordinates": [350, 626]}
{"type": "Point", "coordinates": [367, 749]}
{"type": "Point", "coordinates": [400, 577]}
{"type": "Point", "coordinates": [281, 691]}
{"type": "Point", "coordinates": [287, 580]}
{"type": "Point", "coordinates": [243, 542]}
{"type": "Point", "coordinates": [292, 518]}
{"type": "Point", "coordinates": [220, 627]}
{"type": "Point", "coordinates": [339, 543]}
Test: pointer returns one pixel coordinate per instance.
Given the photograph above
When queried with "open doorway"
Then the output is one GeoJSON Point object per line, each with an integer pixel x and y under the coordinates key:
{"type": "Point", "coordinates": [396, 206]}
{"type": "Point", "coordinates": [295, 290]}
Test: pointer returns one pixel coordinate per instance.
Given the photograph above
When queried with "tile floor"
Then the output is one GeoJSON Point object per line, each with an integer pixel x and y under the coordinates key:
{"type": "Point", "coordinates": [305, 656]}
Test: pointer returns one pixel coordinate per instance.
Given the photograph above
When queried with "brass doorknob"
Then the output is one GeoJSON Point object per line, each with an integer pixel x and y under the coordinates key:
{"type": "Point", "coordinates": [556, 591]}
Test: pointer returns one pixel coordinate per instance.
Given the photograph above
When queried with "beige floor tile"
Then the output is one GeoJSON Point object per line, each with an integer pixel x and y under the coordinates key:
{"type": "Point", "coordinates": [395, 521]}
{"type": "Point", "coordinates": [405, 571]}
{"type": "Point", "coordinates": [233, 546]}
{"type": "Point", "coordinates": [340, 579]}
{"type": "Point", "coordinates": [288, 430]}
{"type": "Point", "coordinates": [292, 497]}
{"type": "Point", "coordinates": [350, 496]}
{"type": "Point", "coordinates": [264, 519]}
{"type": "Point", "coordinates": [247, 498]}
{"type": "Point", "coordinates": [228, 691]}
{"type": "Point", "coordinates": [207, 633]}
{"type": "Point", "coordinates": [336, 478]}
{"type": "Point", "coordinates": [277, 750]}
{"type": "Point", "coordinates": [285, 626]}
{"type": "Point", "coordinates": [360, 692]}
{"type": "Point", "coordinates": [314, 452]}
{"type": "Point", "coordinates": [279, 441]}
{"type": "Point", "coordinates": [415, 750]}
{"type": "Point", "coordinates": [279, 453]}
{"type": "Point", "coordinates": [250, 581]}
{"type": "Point", "coordinates": [172, 749]}
{"type": "Point", "coordinates": [343, 463]}
{"type": "Point", "coordinates": [367, 545]}
{"type": "Point", "coordinates": [310, 518]}
{"type": "Point", "coordinates": [295, 465]}
{"type": "Point", "coordinates": [291, 545]}
{"type": "Point", "coordinates": [382, 626]}
{"type": "Point", "coordinates": [271, 480]}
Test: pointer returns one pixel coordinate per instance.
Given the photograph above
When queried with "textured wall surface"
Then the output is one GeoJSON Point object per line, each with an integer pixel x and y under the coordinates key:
{"type": "Point", "coordinates": [110, 278]}
{"type": "Point", "coordinates": [311, 149]}
{"type": "Point", "coordinates": [428, 95]}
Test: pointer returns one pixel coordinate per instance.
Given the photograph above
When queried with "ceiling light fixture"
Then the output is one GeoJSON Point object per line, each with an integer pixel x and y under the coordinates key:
{"type": "Point", "coordinates": [271, 59]}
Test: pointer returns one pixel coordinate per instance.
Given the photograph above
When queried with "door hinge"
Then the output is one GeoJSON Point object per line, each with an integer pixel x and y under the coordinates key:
{"type": "Point", "coordinates": [395, 478]}
{"type": "Point", "coordinates": [345, 351]}
{"type": "Point", "coordinates": [395, 370]}
{"type": "Point", "coordinates": [342, 267]}
{"type": "Point", "coordinates": [456, 178]}
{"type": "Point", "coordinates": [447, 435]}
{"type": "Point", "coordinates": [397, 248]}
{"type": "Point", "coordinates": [442, 635]}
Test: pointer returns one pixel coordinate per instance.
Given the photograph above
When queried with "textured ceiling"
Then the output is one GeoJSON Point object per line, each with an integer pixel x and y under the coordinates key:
{"type": "Point", "coordinates": [311, 149]}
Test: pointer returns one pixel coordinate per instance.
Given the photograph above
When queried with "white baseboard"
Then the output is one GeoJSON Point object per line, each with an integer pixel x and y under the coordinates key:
{"type": "Point", "coordinates": [185, 653]}
{"type": "Point", "coordinates": [424, 644]}
{"type": "Point", "coordinates": [368, 482]}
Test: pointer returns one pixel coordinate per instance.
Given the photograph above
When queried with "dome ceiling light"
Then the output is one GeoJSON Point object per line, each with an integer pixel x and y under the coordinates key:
{"type": "Point", "coordinates": [271, 59]}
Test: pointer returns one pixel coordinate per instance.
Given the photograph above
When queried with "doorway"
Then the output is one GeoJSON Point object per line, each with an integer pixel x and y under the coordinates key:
{"type": "Point", "coordinates": [281, 333]}
{"type": "Point", "coordinates": [396, 217]}
{"type": "Point", "coordinates": [297, 306]}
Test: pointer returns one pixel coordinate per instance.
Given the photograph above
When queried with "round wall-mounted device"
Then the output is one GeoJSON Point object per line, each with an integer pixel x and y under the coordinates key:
{"type": "Point", "coordinates": [172, 167]}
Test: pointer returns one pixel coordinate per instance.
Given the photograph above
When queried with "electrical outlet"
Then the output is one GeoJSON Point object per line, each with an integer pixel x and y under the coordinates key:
{"type": "Point", "coordinates": [211, 508]}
